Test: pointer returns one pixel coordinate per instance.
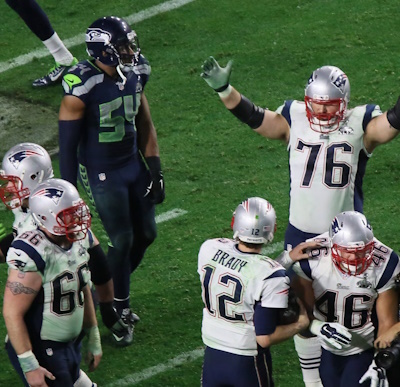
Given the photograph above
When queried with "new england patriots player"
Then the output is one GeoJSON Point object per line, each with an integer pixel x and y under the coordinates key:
{"type": "Point", "coordinates": [243, 293]}
{"type": "Point", "coordinates": [339, 287]}
{"type": "Point", "coordinates": [38, 22]}
{"type": "Point", "coordinates": [47, 298]}
{"type": "Point", "coordinates": [328, 146]}
{"type": "Point", "coordinates": [106, 130]}
{"type": "Point", "coordinates": [24, 166]}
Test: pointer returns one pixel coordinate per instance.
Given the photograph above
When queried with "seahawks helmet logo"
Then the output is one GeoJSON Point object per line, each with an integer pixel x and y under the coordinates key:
{"type": "Point", "coordinates": [52, 193]}
{"type": "Point", "coordinates": [97, 35]}
{"type": "Point", "coordinates": [16, 158]}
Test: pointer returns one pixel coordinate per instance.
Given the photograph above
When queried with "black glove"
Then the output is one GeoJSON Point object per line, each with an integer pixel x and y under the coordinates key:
{"type": "Point", "coordinates": [156, 188]}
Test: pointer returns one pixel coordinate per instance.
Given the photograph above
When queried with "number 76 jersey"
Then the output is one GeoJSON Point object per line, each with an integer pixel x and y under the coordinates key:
{"type": "Point", "coordinates": [232, 283]}
{"type": "Point", "coordinates": [326, 171]}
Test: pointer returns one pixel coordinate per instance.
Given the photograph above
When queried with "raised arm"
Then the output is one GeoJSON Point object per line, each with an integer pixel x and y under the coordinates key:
{"type": "Point", "coordinates": [263, 121]}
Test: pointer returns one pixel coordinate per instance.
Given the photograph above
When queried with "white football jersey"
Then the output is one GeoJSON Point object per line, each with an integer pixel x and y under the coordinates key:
{"type": "Point", "coordinates": [232, 283]}
{"type": "Point", "coordinates": [348, 300]}
{"type": "Point", "coordinates": [23, 220]}
{"type": "Point", "coordinates": [326, 171]}
{"type": "Point", "coordinates": [64, 273]}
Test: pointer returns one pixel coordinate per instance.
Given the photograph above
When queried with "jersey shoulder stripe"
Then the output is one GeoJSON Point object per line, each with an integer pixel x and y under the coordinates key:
{"type": "Point", "coordinates": [19, 244]}
{"type": "Point", "coordinates": [389, 270]}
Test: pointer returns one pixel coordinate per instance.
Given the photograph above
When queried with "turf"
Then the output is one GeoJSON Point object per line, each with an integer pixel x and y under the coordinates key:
{"type": "Point", "coordinates": [211, 161]}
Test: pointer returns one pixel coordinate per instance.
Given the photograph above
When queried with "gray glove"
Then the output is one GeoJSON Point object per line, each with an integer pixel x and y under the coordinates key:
{"type": "Point", "coordinates": [217, 77]}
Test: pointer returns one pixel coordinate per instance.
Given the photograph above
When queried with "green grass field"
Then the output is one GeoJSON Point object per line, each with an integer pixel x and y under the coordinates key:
{"type": "Point", "coordinates": [211, 161]}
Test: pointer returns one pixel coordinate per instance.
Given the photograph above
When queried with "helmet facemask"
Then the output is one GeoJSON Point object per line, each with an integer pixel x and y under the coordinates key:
{"type": "Point", "coordinates": [12, 192]}
{"type": "Point", "coordinates": [360, 260]}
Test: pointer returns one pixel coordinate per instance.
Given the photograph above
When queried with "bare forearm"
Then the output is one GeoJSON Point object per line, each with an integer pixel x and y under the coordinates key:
{"type": "Point", "coordinates": [17, 333]}
{"type": "Point", "coordinates": [89, 316]}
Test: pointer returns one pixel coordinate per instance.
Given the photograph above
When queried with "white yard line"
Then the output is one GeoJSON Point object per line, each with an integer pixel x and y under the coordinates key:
{"type": "Point", "coordinates": [137, 377]}
{"type": "Point", "coordinates": [170, 215]}
{"type": "Point", "coordinates": [80, 39]}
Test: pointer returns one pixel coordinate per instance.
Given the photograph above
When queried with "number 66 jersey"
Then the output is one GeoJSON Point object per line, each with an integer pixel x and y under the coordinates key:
{"type": "Point", "coordinates": [232, 283]}
{"type": "Point", "coordinates": [57, 312]}
{"type": "Point", "coordinates": [349, 299]}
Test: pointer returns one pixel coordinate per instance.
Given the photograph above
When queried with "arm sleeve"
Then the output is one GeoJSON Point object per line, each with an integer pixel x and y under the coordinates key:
{"type": "Point", "coordinates": [69, 134]}
{"type": "Point", "coordinates": [265, 320]}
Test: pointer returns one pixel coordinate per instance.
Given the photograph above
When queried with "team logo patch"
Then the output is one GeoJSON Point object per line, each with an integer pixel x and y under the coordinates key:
{"type": "Point", "coordinates": [52, 193]}
{"type": "Point", "coordinates": [17, 263]}
{"type": "Point", "coordinates": [18, 157]}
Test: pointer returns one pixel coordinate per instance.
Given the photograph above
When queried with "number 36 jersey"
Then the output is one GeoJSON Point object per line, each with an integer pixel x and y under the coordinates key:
{"type": "Point", "coordinates": [232, 283]}
{"type": "Point", "coordinates": [57, 311]}
{"type": "Point", "coordinates": [349, 300]}
{"type": "Point", "coordinates": [326, 171]}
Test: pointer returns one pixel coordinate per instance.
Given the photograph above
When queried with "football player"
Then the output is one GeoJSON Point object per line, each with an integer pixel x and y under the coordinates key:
{"type": "Point", "coordinates": [339, 287]}
{"type": "Point", "coordinates": [105, 114]}
{"type": "Point", "coordinates": [244, 293]}
{"type": "Point", "coordinates": [328, 146]}
{"type": "Point", "coordinates": [25, 166]}
{"type": "Point", "coordinates": [47, 298]}
{"type": "Point", "coordinates": [38, 22]}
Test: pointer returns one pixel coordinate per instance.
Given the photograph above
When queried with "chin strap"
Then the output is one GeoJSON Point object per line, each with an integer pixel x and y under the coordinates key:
{"type": "Point", "coordinates": [121, 74]}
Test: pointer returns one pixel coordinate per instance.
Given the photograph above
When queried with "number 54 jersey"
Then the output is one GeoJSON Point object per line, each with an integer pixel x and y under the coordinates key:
{"type": "Point", "coordinates": [349, 300]}
{"type": "Point", "coordinates": [326, 171]}
{"type": "Point", "coordinates": [232, 283]}
{"type": "Point", "coordinates": [57, 311]}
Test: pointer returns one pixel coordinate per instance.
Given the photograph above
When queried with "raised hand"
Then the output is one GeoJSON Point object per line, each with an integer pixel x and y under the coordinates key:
{"type": "Point", "coordinates": [216, 76]}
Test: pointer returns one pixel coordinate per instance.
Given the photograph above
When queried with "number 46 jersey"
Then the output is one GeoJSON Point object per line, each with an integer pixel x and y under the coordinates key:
{"type": "Point", "coordinates": [326, 171]}
{"type": "Point", "coordinates": [232, 283]}
{"type": "Point", "coordinates": [348, 299]}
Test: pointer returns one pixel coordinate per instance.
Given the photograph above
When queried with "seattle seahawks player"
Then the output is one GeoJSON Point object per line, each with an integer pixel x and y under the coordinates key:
{"type": "Point", "coordinates": [339, 287]}
{"type": "Point", "coordinates": [105, 114]}
{"type": "Point", "coordinates": [47, 299]}
{"type": "Point", "coordinates": [328, 147]}
{"type": "Point", "coordinates": [25, 166]}
{"type": "Point", "coordinates": [243, 293]}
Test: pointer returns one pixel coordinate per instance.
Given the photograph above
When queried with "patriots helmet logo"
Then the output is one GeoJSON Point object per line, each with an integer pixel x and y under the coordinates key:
{"type": "Point", "coordinates": [335, 225]}
{"type": "Point", "coordinates": [16, 158]}
{"type": "Point", "coordinates": [52, 193]}
{"type": "Point", "coordinates": [340, 82]}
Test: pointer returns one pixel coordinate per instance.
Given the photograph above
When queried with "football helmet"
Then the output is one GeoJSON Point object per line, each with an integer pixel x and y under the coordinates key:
{"type": "Point", "coordinates": [55, 205]}
{"type": "Point", "coordinates": [329, 87]}
{"type": "Point", "coordinates": [352, 242]}
{"type": "Point", "coordinates": [24, 166]}
{"type": "Point", "coordinates": [111, 41]}
{"type": "Point", "coordinates": [254, 221]}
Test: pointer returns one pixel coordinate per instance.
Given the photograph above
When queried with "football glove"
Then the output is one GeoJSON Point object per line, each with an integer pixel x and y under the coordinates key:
{"type": "Point", "coordinates": [155, 191]}
{"type": "Point", "coordinates": [3, 231]}
{"type": "Point", "coordinates": [376, 374]}
{"type": "Point", "coordinates": [333, 334]}
{"type": "Point", "coordinates": [216, 77]}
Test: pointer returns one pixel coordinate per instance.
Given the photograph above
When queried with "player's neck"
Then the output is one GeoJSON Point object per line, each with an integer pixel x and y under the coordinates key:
{"type": "Point", "coordinates": [109, 70]}
{"type": "Point", "coordinates": [59, 240]}
{"type": "Point", "coordinates": [247, 249]}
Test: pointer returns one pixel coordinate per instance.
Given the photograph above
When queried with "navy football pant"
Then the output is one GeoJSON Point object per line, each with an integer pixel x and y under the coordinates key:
{"type": "Point", "coordinates": [34, 17]}
{"type": "Point", "coordinates": [224, 369]}
{"type": "Point", "coordinates": [61, 359]}
{"type": "Point", "coordinates": [344, 371]}
{"type": "Point", "coordinates": [127, 216]}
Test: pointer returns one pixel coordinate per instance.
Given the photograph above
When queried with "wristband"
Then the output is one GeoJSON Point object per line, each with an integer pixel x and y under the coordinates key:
{"type": "Point", "coordinates": [94, 342]}
{"type": "Point", "coordinates": [284, 259]}
{"type": "Point", "coordinates": [154, 164]}
{"type": "Point", "coordinates": [28, 361]}
{"type": "Point", "coordinates": [315, 327]}
{"type": "Point", "coordinates": [225, 93]}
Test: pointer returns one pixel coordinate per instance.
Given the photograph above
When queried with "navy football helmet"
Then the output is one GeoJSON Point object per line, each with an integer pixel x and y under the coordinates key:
{"type": "Point", "coordinates": [111, 41]}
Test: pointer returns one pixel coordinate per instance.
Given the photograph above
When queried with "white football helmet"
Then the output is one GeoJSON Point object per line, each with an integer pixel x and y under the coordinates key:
{"type": "Point", "coordinates": [55, 204]}
{"type": "Point", "coordinates": [254, 221]}
{"type": "Point", "coordinates": [24, 166]}
{"type": "Point", "coordinates": [352, 242]}
{"type": "Point", "coordinates": [327, 85]}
